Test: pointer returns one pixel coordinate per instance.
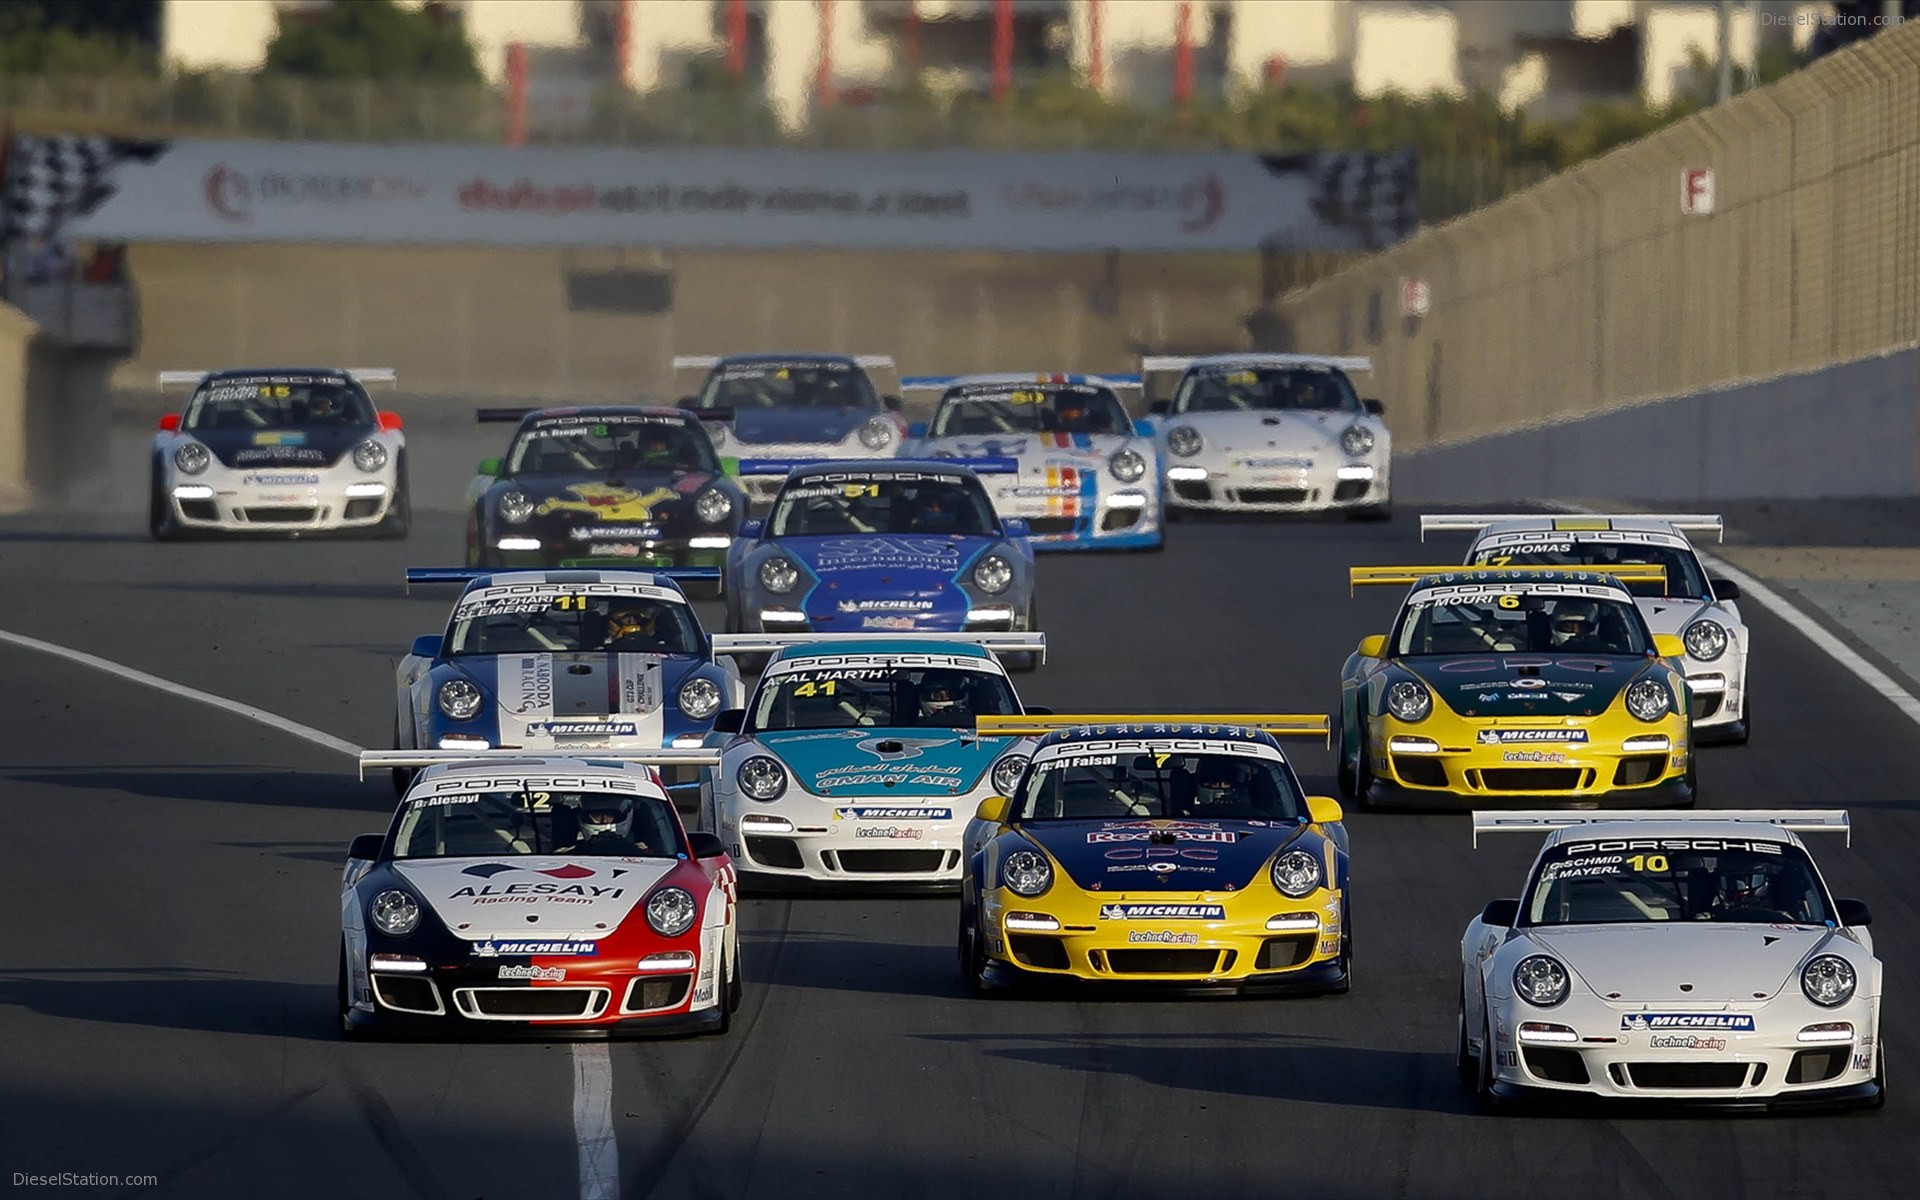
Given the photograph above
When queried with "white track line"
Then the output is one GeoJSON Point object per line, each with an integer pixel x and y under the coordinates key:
{"type": "Point", "coordinates": [592, 1065]}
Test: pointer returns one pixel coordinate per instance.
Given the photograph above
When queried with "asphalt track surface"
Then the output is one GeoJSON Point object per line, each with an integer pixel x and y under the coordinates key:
{"type": "Point", "coordinates": [171, 925]}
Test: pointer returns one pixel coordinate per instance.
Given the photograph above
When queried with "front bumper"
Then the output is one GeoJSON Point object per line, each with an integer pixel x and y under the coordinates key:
{"type": "Point", "coordinates": [1719, 695]}
{"type": "Point", "coordinates": [461, 999]}
{"type": "Point", "coordinates": [224, 502]}
{"type": "Point", "coordinates": [1439, 762]}
{"type": "Point", "coordinates": [1125, 518]}
{"type": "Point", "coordinates": [1193, 487]}
{"type": "Point", "coordinates": [1003, 617]}
{"type": "Point", "coordinates": [904, 851]}
{"type": "Point", "coordinates": [701, 550]}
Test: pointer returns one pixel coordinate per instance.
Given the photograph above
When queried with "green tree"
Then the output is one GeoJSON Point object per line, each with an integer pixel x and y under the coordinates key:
{"type": "Point", "coordinates": [62, 40]}
{"type": "Point", "coordinates": [373, 39]}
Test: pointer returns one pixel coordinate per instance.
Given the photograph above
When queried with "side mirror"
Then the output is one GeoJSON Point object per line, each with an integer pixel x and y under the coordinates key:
{"type": "Point", "coordinates": [1016, 527]}
{"type": "Point", "coordinates": [1143, 429]}
{"type": "Point", "coordinates": [1373, 646]}
{"type": "Point", "coordinates": [491, 467]}
{"type": "Point", "coordinates": [752, 527]}
{"type": "Point", "coordinates": [706, 845]}
{"type": "Point", "coordinates": [1669, 645]}
{"type": "Point", "coordinates": [366, 847]}
{"type": "Point", "coordinates": [1852, 913]}
{"type": "Point", "coordinates": [1724, 589]}
{"type": "Point", "coordinates": [1374, 407]}
{"type": "Point", "coordinates": [170, 422]}
{"type": "Point", "coordinates": [1038, 710]}
{"type": "Point", "coordinates": [427, 645]}
{"type": "Point", "coordinates": [1323, 810]}
{"type": "Point", "coordinates": [1160, 408]}
{"type": "Point", "coordinates": [729, 720]}
{"type": "Point", "coordinates": [993, 810]}
{"type": "Point", "coordinates": [389, 420]}
{"type": "Point", "coordinates": [917, 430]}
{"type": "Point", "coordinates": [1500, 914]}
{"type": "Point", "coordinates": [891, 402]}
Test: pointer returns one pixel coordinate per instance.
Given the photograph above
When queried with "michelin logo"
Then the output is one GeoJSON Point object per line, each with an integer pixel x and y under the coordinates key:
{"type": "Point", "coordinates": [585, 728]}
{"type": "Point", "coordinates": [1163, 912]}
{"type": "Point", "coordinates": [1507, 737]}
{"type": "Point", "coordinates": [874, 813]}
{"type": "Point", "coordinates": [1645, 1022]}
{"type": "Point", "coordinates": [520, 949]}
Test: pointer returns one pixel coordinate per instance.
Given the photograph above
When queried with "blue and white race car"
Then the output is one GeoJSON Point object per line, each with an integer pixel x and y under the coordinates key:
{"type": "Point", "coordinates": [896, 546]}
{"type": "Point", "coordinates": [1088, 475]}
{"type": "Point", "coordinates": [857, 761]}
{"type": "Point", "coordinates": [562, 661]}
{"type": "Point", "coordinates": [793, 406]}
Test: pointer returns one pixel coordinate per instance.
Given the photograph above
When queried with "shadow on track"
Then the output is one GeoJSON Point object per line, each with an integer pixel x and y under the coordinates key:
{"type": "Point", "coordinates": [240, 785]}
{"type": "Point", "coordinates": [176, 998]}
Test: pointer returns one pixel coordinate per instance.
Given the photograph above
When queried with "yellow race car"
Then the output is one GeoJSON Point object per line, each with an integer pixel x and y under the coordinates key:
{"type": "Point", "coordinates": [1499, 686]}
{"type": "Point", "coordinates": [1173, 850]}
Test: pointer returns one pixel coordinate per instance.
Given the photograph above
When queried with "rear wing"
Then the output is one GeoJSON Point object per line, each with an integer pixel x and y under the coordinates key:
{"type": "Point", "coordinates": [1475, 522]}
{"type": "Point", "coordinates": [768, 643]}
{"type": "Point", "coordinates": [1278, 724]}
{"type": "Point", "coordinates": [1625, 573]}
{"type": "Point", "coordinates": [937, 383]}
{"type": "Point", "coordinates": [1796, 820]}
{"type": "Point", "coordinates": [468, 574]}
{"type": "Point", "coordinates": [487, 415]}
{"type": "Point", "coordinates": [1179, 362]}
{"type": "Point", "coordinates": [706, 362]}
{"type": "Point", "coordinates": [364, 375]}
{"type": "Point", "coordinates": [378, 760]}
{"type": "Point", "coordinates": [784, 466]}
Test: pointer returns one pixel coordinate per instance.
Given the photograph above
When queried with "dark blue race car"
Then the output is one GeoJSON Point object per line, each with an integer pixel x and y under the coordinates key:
{"type": "Point", "coordinates": [886, 546]}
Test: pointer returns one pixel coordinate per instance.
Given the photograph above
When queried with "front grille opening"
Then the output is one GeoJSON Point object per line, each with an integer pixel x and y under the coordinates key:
{"type": "Point", "coordinates": [774, 852]}
{"type": "Point", "coordinates": [1351, 489]}
{"type": "Point", "coordinates": [361, 507]}
{"type": "Point", "coordinates": [1163, 962]}
{"type": "Point", "coordinates": [532, 1002]}
{"type": "Point", "coordinates": [199, 510]}
{"type": "Point", "coordinates": [893, 862]}
{"type": "Point", "coordinates": [1119, 518]}
{"type": "Point", "coordinates": [1532, 779]}
{"type": "Point", "coordinates": [649, 993]}
{"type": "Point", "coordinates": [1046, 953]}
{"type": "Point", "coordinates": [1555, 1065]}
{"type": "Point", "coordinates": [1638, 770]}
{"type": "Point", "coordinates": [1280, 953]}
{"type": "Point", "coordinates": [406, 993]}
{"type": "Point", "coordinates": [279, 516]}
{"type": "Point", "coordinates": [1273, 495]}
{"type": "Point", "coordinates": [1706, 706]}
{"type": "Point", "coordinates": [1418, 770]}
{"type": "Point", "coordinates": [1817, 1066]}
{"type": "Point", "coordinates": [1718, 1076]}
{"type": "Point", "coordinates": [1043, 526]}
{"type": "Point", "coordinates": [1192, 489]}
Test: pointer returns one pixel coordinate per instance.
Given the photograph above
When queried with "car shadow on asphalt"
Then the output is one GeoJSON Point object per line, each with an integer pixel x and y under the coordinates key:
{"type": "Point", "coordinates": [175, 998]}
{"type": "Point", "coordinates": [240, 785]}
{"type": "Point", "coordinates": [309, 590]}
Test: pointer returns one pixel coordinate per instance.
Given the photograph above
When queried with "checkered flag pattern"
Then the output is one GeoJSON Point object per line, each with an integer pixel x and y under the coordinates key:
{"type": "Point", "coordinates": [50, 179]}
{"type": "Point", "coordinates": [1375, 197]}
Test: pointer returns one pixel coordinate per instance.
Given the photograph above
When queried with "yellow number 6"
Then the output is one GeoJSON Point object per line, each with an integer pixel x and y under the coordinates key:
{"type": "Point", "coordinates": [1509, 601]}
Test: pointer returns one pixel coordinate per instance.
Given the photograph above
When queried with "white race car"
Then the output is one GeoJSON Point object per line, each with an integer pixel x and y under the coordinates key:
{"type": "Point", "coordinates": [279, 450]}
{"type": "Point", "coordinates": [856, 760]}
{"type": "Point", "coordinates": [1271, 433]}
{"type": "Point", "coordinates": [1088, 475]}
{"type": "Point", "coordinates": [1661, 956]}
{"type": "Point", "coordinates": [1697, 607]}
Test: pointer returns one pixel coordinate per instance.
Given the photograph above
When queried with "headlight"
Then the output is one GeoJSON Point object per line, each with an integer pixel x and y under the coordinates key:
{"type": "Point", "coordinates": [762, 778]}
{"type": "Point", "coordinates": [1540, 981]}
{"type": "Point", "coordinates": [1184, 440]}
{"type": "Point", "coordinates": [1007, 772]}
{"type": "Point", "coordinates": [1127, 466]}
{"type": "Point", "coordinates": [370, 456]}
{"type": "Point", "coordinates": [992, 574]}
{"type": "Point", "coordinates": [515, 508]}
{"type": "Point", "coordinates": [1409, 701]}
{"type": "Point", "coordinates": [699, 698]}
{"type": "Point", "coordinates": [1828, 980]}
{"type": "Point", "coordinates": [1297, 873]}
{"type": "Point", "coordinates": [396, 913]}
{"type": "Point", "coordinates": [1649, 699]}
{"type": "Point", "coordinates": [1706, 640]}
{"type": "Point", "coordinates": [713, 506]}
{"type": "Point", "coordinates": [876, 434]}
{"type": "Point", "coordinates": [1357, 441]}
{"type": "Point", "coordinates": [1026, 873]}
{"type": "Point", "coordinates": [192, 458]}
{"type": "Point", "coordinates": [671, 911]}
{"type": "Point", "coordinates": [778, 576]}
{"type": "Point", "coordinates": [459, 699]}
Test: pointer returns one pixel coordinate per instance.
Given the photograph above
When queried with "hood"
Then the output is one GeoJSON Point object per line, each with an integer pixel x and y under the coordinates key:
{"type": "Point", "coordinates": [629, 505]}
{"type": "Point", "coordinates": [309, 446]}
{"type": "Point", "coordinates": [584, 700]}
{"type": "Point", "coordinates": [1725, 964]}
{"type": "Point", "coordinates": [908, 559]}
{"type": "Point", "coordinates": [1159, 858]}
{"type": "Point", "coordinates": [814, 425]}
{"type": "Point", "coordinates": [909, 763]}
{"type": "Point", "coordinates": [1260, 434]}
{"type": "Point", "coordinates": [522, 897]}
{"type": "Point", "coordinates": [1529, 685]}
{"type": "Point", "coordinates": [1038, 451]}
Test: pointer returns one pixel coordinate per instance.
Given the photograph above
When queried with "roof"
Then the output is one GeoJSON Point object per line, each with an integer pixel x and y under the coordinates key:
{"type": "Point", "coordinates": [884, 645]}
{"type": "Point", "coordinates": [613, 410]}
{"type": "Point", "coordinates": [1521, 576]}
{"type": "Point", "coordinates": [1614, 830]}
{"type": "Point", "coordinates": [1157, 733]}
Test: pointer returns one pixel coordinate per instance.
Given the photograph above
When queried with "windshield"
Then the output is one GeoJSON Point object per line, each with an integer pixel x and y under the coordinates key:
{"type": "Point", "coordinates": [1140, 781]}
{"type": "Point", "coordinates": [891, 502]}
{"type": "Point", "coordinates": [1037, 408]}
{"type": "Point", "coordinates": [607, 445]}
{"type": "Point", "coordinates": [880, 695]}
{"type": "Point", "coordinates": [500, 824]}
{"type": "Point", "coordinates": [1474, 618]}
{"type": "Point", "coordinates": [278, 402]}
{"type": "Point", "coordinates": [548, 620]}
{"type": "Point", "coordinates": [796, 384]}
{"type": "Point", "coordinates": [1684, 576]}
{"type": "Point", "coordinates": [1676, 879]}
{"type": "Point", "coordinates": [1243, 389]}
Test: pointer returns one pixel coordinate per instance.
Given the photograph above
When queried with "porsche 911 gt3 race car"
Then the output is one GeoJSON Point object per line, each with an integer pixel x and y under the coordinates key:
{"type": "Point", "coordinates": [1272, 433]}
{"type": "Point", "coordinates": [1088, 475]}
{"type": "Point", "coordinates": [562, 661]}
{"type": "Point", "coordinates": [279, 450]}
{"type": "Point", "coordinates": [602, 487]}
{"type": "Point", "coordinates": [1663, 957]}
{"type": "Point", "coordinates": [794, 406]}
{"type": "Point", "coordinates": [1692, 604]}
{"type": "Point", "coordinates": [856, 761]}
{"type": "Point", "coordinates": [895, 546]}
{"type": "Point", "coordinates": [1157, 849]}
{"type": "Point", "coordinates": [1498, 686]}
{"type": "Point", "coordinates": [537, 895]}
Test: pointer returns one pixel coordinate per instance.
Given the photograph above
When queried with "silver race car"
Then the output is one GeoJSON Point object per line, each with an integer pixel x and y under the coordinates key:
{"type": "Point", "coordinates": [1692, 604]}
{"type": "Point", "coordinates": [1672, 957]}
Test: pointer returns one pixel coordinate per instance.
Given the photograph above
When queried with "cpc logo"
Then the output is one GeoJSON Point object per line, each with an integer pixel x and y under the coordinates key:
{"type": "Point", "coordinates": [229, 194]}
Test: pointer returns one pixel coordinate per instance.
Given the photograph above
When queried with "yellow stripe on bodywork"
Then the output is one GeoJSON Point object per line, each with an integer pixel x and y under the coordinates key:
{"type": "Point", "coordinates": [1278, 724]}
{"type": "Point", "coordinates": [1626, 573]}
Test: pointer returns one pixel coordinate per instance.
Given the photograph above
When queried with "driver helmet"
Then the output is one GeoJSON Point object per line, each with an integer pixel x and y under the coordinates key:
{"type": "Point", "coordinates": [604, 815]}
{"type": "Point", "coordinates": [1573, 619]}
{"type": "Point", "coordinates": [630, 619]}
{"type": "Point", "coordinates": [656, 446]}
{"type": "Point", "coordinates": [940, 698]}
{"type": "Point", "coordinates": [935, 509]}
{"type": "Point", "coordinates": [1071, 413]}
{"type": "Point", "coordinates": [321, 405]}
{"type": "Point", "coordinates": [1215, 781]}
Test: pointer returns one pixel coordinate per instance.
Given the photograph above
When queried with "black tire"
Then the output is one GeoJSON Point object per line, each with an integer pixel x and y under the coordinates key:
{"type": "Point", "coordinates": [1880, 1073]}
{"type": "Point", "coordinates": [1346, 950]}
{"type": "Point", "coordinates": [160, 523]}
{"type": "Point", "coordinates": [402, 776]}
{"type": "Point", "coordinates": [1029, 663]}
{"type": "Point", "coordinates": [1344, 777]}
{"type": "Point", "coordinates": [1746, 721]}
{"type": "Point", "coordinates": [347, 1031]}
{"type": "Point", "coordinates": [730, 991]}
{"type": "Point", "coordinates": [1483, 1072]}
{"type": "Point", "coordinates": [1362, 772]}
{"type": "Point", "coordinates": [973, 956]}
{"type": "Point", "coordinates": [1463, 1061]}
{"type": "Point", "coordinates": [399, 520]}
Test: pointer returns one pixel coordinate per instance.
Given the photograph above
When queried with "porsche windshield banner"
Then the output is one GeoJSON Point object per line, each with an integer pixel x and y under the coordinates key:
{"type": "Point", "coordinates": [239, 191]}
